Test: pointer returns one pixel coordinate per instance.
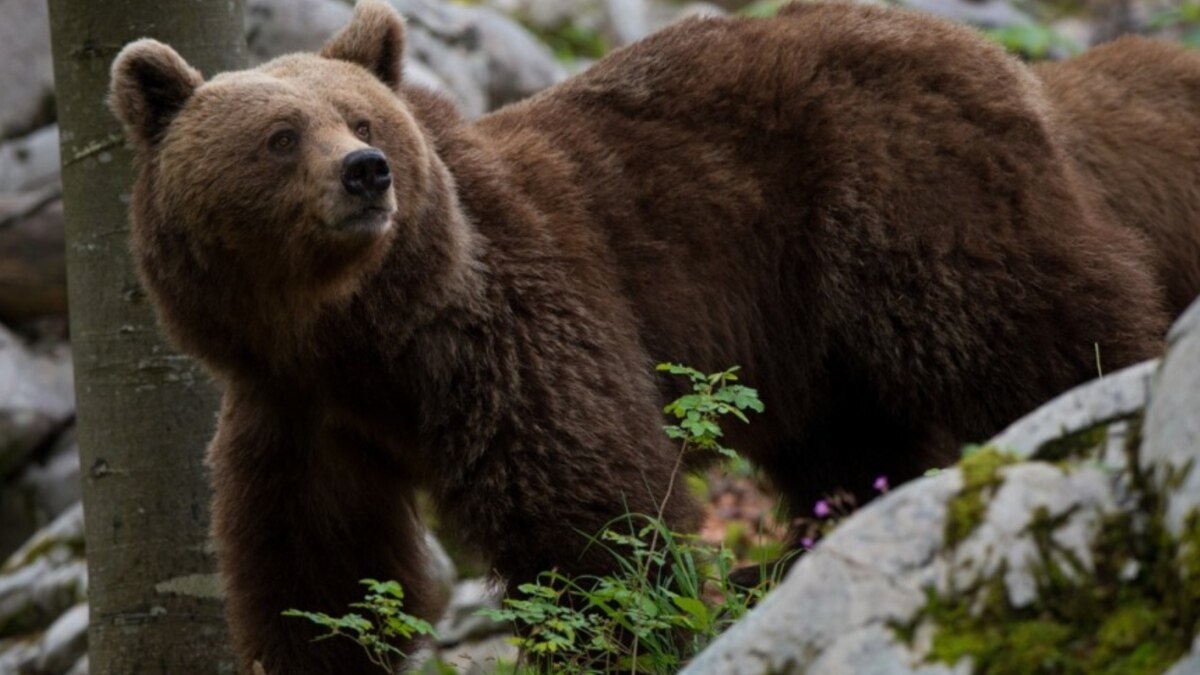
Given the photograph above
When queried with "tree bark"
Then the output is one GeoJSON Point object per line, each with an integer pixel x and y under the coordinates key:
{"type": "Point", "coordinates": [145, 413]}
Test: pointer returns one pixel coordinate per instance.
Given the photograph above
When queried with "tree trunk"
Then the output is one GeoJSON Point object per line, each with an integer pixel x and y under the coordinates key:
{"type": "Point", "coordinates": [145, 413]}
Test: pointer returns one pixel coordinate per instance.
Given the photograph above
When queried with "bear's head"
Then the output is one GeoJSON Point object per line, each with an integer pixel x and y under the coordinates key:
{"type": "Point", "coordinates": [268, 194]}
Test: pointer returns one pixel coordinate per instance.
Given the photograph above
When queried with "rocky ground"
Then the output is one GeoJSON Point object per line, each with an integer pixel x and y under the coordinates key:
{"type": "Point", "coordinates": [484, 54]}
{"type": "Point", "coordinates": [1080, 548]}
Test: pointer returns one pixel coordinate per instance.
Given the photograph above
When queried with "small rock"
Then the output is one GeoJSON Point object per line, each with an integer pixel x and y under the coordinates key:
{"type": "Point", "coordinates": [45, 577]}
{"type": "Point", "coordinates": [276, 27]}
{"type": "Point", "coordinates": [39, 493]}
{"type": "Point", "coordinates": [65, 642]}
{"type": "Point", "coordinates": [461, 622]}
{"type": "Point", "coordinates": [52, 486]}
{"type": "Point", "coordinates": [17, 654]}
{"type": "Point", "coordinates": [26, 68]}
{"type": "Point", "coordinates": [444, 571]}
{"type": "Point", "coordinates": [36, 398]}
{"type": "Point", "coordinates": [484, 57]}
{"type": "Point", "coordinates": [462, 71]}
{"type": "Point", "coordinates": [483, 657]}
{"type": "Point", "coordinates": [518, 65]}
{"type": "Point", "coordinates": [30, 162]}
{"type": "Point", "coordinates": [625, 21]}
{"type": "Point", "coordinates": [478, 56]}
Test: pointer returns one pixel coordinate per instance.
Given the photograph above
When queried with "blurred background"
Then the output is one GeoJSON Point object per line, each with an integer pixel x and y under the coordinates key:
{"type": "Point", "coordinates": [483, 54]}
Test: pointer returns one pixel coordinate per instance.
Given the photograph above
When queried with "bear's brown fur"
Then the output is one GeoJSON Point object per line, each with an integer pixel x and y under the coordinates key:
{"type": "Point", "coordinates": [1130, 113]}
{"type": "Point", "coordinates": [868, 210]}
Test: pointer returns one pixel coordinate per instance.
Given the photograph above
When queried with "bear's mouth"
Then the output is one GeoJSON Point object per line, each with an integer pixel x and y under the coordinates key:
{"type": "Point", "coordinates": [373, 219]}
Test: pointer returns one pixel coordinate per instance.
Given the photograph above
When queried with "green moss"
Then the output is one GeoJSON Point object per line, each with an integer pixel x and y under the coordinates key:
{"type": "Point", "coordinates": [571, 42]}
{"type": "Point", "coordinates": [1188, 561]}
{"type": "Point", "coordinates": [981, 476]}
{"type": "Point", "coordinates": [763, 9]}
{"type": "Point", "coordinates": [44, 547]}
{"type": "Point", "coordinates": [1134, 611]}
{"type": "Point", "coordinates": [1082, 444]}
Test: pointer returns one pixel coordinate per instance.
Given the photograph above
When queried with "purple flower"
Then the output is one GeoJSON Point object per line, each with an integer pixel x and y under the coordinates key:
{"type": "Point", "coordinates": [881, 484]}
{"type": "Point", "coordinates": [807, 542]}
{"type": "Point", "coordinates": [822, 509]}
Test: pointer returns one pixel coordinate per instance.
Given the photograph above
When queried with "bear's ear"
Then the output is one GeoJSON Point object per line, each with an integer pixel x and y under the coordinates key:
{"type": "Point", "coordinates": [374, 39]}
{"type": "Point", "coordinates": [150, 85]}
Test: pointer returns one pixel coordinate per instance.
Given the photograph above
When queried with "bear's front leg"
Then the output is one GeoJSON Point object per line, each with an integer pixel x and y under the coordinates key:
{"type": "Point", "coordinates": [301, 515]}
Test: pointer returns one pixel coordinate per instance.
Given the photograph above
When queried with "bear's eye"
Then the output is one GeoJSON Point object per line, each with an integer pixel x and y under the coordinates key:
{"type": "Point", "coordinates": [363, 131]}
{"type": "Point", "coordinates": [283, 141]}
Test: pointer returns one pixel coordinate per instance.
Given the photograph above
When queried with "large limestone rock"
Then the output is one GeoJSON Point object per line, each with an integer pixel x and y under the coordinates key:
{"type": "Point", "coordinates": [931, 576]}
{"type": "Point", "coordinates": [1173, 423]}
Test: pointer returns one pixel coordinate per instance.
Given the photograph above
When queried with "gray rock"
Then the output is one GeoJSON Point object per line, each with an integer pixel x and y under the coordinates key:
{"type": "Point", "coordinates": [462, 70]}
{"type": "Point", "coordinates": [1116, 396]}
{"type": "Point", "coordinates": [1190, 664]}
{"type": "Point", "coordinates": [30, 162]}
{"type": "Point", "coordinates": [36, 398]}
{"type": "Point", "coordinates": [51, 487]}
{"type": "Point", "coordinates": [45, 577]}
{"type": "Point", "coordinates": [625, 21]}
{"type": "Point", "coordinates": [834, 612]}
{"type": "Point", "coordinates": [65, 642]}
{"type": "Point", "coordinates": [485, 58]}
{"type": "Point", "coordinates": [870, 571]}
{"type": "Point", "coordinates": [275, 27]}
{"type": "Point", "coordinates": [419, 74]}
{"type": "Point", "coordinates": [478, 56]}
{"type": "Point", "coordinates": [517, 64]}
{"type": "Point", "coordinates": [460, 622]}
{"type": "Point", "coordinates": [17, 654]}
{"type": "Point", "coordinates": [26, 68]}
{"type": "Point", "coordinates": [1002, 541]}
{"type": "Point", "coordinates": [39, 493]}
{"type": "Point", "coordinates": [481, 657]}
{"type": "Point", "coordinates": [444, 571]}
{"type": "Point", "coordinates": [1172, 430]}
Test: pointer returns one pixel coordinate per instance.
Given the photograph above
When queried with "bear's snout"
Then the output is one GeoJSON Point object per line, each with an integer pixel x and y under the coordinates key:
{"type": "Point", "coordinates": [365, 173]}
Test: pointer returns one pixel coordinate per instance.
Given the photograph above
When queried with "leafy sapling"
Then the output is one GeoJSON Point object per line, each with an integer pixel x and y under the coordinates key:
{"type": "Point", "coordinates": [377, 635]}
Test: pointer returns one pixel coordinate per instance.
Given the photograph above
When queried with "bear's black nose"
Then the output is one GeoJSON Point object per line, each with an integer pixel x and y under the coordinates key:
{"type": "Point", "coordinates": [365, 173]}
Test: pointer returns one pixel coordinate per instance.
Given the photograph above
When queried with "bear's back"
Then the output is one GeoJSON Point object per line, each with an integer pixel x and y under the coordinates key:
{"type": "Point", "coordinates": [843, 201]}
{"type": "Point", "coordinates": [1130, 110]}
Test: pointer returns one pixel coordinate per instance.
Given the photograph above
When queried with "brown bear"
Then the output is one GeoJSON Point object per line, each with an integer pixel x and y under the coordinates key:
{"type": "Point", "coordinates": [1130, 117]}
{"type": "Point", "coordinates": [868, 210]}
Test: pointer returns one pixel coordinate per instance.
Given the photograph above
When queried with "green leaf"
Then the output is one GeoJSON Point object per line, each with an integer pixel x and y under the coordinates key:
{"type": "Point", "coordinates": [696, 609]}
